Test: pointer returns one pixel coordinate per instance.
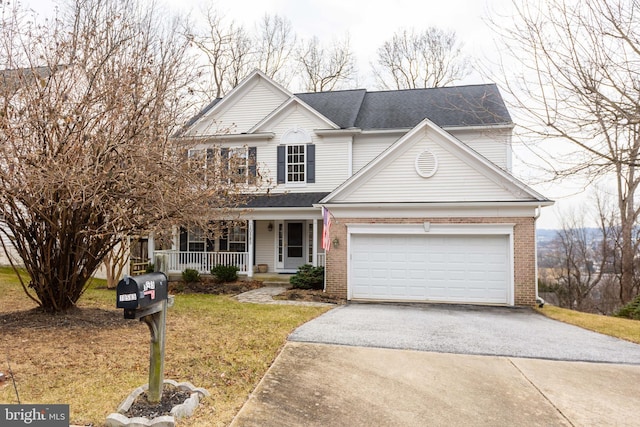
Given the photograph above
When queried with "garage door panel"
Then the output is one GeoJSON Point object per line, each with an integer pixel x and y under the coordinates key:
{"type": "Point", "coordinates": [451, 268]}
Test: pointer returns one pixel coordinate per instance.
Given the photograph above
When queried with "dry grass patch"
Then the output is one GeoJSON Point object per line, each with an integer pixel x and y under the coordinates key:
{"type": "Point", "coordinates": [625, 329]}
{"type": "Point", "coordinates": [92, 358]}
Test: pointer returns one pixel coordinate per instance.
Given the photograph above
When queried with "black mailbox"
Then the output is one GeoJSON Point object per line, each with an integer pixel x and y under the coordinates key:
{"type": "Point", "coordinates": [138, 294]}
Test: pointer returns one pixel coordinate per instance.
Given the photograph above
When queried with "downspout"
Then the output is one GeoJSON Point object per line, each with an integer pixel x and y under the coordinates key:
{"type": "Point", "coordinates": [536, 215]}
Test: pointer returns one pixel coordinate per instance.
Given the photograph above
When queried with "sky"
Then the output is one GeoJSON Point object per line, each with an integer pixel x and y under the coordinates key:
{"type": "Point", "coordinates": [371, 22]}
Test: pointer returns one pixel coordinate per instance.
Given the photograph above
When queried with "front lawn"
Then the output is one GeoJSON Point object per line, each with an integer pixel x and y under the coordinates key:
{"type": "Point", "coordinates": [92, 358]}
{"type": "Point", "coordinates": [625, 329]}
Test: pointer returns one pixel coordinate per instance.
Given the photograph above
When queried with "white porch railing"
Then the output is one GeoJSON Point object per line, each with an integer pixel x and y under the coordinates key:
{"type": "Point", "coordinates": [178, 261]}
{"type": "Point", "coordinates": [321, 259]}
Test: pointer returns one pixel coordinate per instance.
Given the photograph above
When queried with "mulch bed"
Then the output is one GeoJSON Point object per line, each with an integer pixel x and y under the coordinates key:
{"type": "Point", "coordinates": [308, 295]}
{"type": "Point", "coordinates": [208, 285]}
{"type": "Point", "coordinates": [171, 396]}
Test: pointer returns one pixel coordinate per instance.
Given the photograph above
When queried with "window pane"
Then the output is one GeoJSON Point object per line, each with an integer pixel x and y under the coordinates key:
{"type": "Point", "coordinates": [295, 163]}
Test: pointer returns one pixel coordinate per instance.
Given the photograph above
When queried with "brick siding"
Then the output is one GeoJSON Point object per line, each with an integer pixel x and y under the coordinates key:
{"type": "Point", "coordinates": [523, 246]}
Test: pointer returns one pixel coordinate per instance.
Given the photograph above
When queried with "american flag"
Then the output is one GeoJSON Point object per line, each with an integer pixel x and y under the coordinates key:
{"type": "Point", "coordinates": [326, 228]}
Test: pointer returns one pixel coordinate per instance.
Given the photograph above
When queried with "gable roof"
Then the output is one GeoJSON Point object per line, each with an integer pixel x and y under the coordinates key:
{"type": "Point", "coordinates": [472, 105]}
{"type": "Point", "coordinates": [341, 107]}
{"type": "Point", "coordinates": [220, 103]}
{"type": "Point", "coordinates": [520, 191]}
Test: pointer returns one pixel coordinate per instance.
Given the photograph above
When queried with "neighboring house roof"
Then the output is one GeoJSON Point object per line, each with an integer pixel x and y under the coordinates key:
{"type": "Point", "coordinates": [286, 200]}
{"type": "Point", "coordinates": [473, 105]}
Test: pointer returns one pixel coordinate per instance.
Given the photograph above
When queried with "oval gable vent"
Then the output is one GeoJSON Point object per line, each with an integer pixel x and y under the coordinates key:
{"type": "Point", "coordinates": [426, 164]}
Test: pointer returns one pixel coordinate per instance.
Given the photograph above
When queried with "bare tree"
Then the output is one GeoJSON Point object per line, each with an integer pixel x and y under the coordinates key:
{"type": "Point", "coordinates": [228, 51]}
{"type": "Point", "coordinates": [325, 69]}
{"type": "Point", "coordinates": [580, 63]}
{"type": "Point", "coordinates": [582, 258]}
{"type": "Point", "coordinates": [276, 42]}
{"type": "Point", "coordinates": [87, 106]}
{"type": "Point", "coordinates": [410, 60]}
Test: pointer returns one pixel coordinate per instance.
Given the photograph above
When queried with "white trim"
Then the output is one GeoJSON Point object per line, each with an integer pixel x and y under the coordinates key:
{"type": "Point", "coordinates": [434, 230]}
{"type": "Point", "coordinates": [230, 137]}
{"type": "Point", "coordinates": [434, 210]}
{"type": "Point", "coordinates": [314, 242]}
{"type": "Point", "coordinates": [338, 132]}
{"type": "Point", "coordinates": [250, 262]}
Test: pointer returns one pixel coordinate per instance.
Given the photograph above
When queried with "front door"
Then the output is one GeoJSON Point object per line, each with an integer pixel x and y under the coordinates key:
{"type": "Point", "coordinates": [294, 245]}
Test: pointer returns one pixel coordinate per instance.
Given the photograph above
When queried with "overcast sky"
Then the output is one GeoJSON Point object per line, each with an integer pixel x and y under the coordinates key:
{"type": "Point", "coordinates": [369, 23]}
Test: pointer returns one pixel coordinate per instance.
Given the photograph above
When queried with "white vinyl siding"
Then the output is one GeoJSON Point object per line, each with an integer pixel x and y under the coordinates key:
{"type": "Point", "coordinates": [367, 147]}
{"type": "Point", "coordinates": [331, 155]}
{"type": "Point", "coordinates": [248, 110]}
{"type": "Point", "coordinates": [455, 180]}
{"type": "Point", "coordinates": [265, 243]}
{"type": "Point", "coordinates": [495, 145]}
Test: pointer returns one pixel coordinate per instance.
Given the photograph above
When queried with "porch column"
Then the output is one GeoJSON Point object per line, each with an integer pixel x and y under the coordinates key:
{"type": "Point", "coordinates": [314, 243]}
{"type": "Point", "coordinates": [250, 226]}
{"type": "Point", "coordinates": [151, 248]}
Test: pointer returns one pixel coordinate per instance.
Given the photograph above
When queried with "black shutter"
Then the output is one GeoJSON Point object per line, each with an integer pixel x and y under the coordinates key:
{"type": "Point", "coordinates": [281, 163]}
{"type": "Point", "coordinates": [224, 161]}
{"type": "Point", "coordinates": [253, 161]}
{"type": "Point", "coordinates": [224, 239]}
{"type": "Point", "coordinates": [183, 239]}
{"type": "Point", "coordinates": [311, 163]}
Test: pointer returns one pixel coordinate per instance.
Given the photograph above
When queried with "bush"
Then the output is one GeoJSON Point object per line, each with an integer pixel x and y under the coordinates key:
{"type": "Point", "coordinates": [150, 268]}
{"type": "Point", "coordinates": [190, 275]}
{"type": "Point", "coordinates": [631, 310]}
{"type": "Point", "coordinates": [308, 277]}
{"type": "Point", "coordinates": [225, 273]}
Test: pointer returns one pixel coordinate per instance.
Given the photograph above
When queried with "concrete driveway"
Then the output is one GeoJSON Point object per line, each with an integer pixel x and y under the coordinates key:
{"type": "Point", "coordinates": [455, 379]}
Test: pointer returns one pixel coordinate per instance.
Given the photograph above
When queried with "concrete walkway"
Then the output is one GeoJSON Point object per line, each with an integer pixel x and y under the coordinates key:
{"type": "Point", "coordinates": [265, 295]}
{"type": "Point", "coordinates": [332, 385]}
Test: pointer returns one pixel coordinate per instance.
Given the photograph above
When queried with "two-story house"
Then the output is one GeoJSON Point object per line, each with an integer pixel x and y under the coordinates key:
{"type": "Point", "coordinates": [417, 185]}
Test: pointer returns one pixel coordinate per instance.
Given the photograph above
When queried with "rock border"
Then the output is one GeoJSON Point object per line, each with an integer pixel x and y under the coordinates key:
{"type": "Point", "coordinates": [186, 409]}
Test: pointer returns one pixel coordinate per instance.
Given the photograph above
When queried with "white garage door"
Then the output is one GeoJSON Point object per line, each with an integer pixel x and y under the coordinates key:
{"type": "Point", "coordinates": [447, 268]}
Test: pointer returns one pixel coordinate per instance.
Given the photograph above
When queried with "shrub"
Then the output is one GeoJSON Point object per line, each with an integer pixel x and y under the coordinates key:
{"type": "Point", "coordinates": [225, 273]}
{"type": "Point", "coordinates": [631, 310]}
{"type": "Point", "coordinates": [190, 275]}
{"type": "Point", "coordinates": [150, 268]}
{"type": "Point", "coordinates": [308, 277]}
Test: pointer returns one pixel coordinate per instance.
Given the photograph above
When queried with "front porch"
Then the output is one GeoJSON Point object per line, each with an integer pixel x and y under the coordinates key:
{"type": "Point", "coordinates": [279, 246]}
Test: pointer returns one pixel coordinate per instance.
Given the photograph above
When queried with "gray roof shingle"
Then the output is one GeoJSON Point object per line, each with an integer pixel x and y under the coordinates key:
{"type": "Point", "coordinates": [286, 200]}
{"type": "Point", "coordinates": [473, 105]}
{"type": "Point", "coordinates": [341, 107]}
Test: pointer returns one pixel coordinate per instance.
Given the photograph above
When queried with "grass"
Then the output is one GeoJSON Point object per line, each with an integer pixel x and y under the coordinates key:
{"type": "Point", "coordinates": [625, 329]}
{"type": "Point", "coordinates": [92, 358]}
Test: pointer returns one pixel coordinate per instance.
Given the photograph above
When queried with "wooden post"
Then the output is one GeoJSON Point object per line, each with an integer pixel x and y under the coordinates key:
{"type": "Point", "coordinates": [156, 323]}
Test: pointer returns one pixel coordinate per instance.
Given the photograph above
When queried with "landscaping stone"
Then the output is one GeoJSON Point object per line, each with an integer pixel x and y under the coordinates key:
{"type": "Point", "coordinates": [186, 409]}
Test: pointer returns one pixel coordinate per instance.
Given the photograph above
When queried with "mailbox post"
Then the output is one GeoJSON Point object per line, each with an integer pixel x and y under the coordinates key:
{"type": "Point", "coordinates": [146, 298]}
